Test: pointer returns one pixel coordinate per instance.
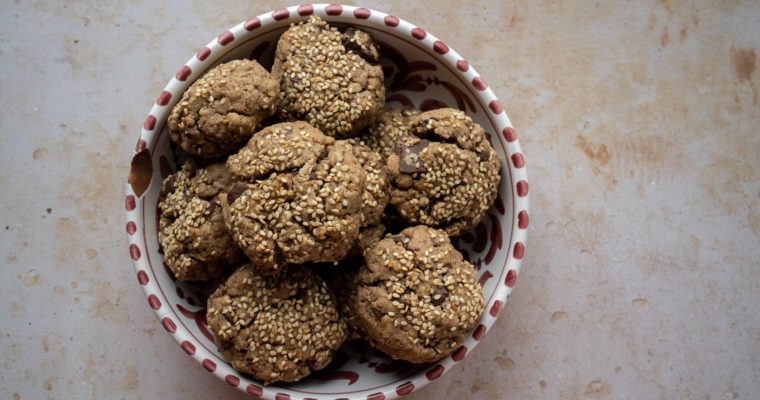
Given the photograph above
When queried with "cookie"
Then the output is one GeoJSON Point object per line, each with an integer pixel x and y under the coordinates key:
{"type": "Point", "coordinates": [392, 125]}
{"type": "Point", "coordinates": [191, 227]}
{"type": "Point", "coordinates": [416, 297]}
{"type": "Point", "coordinates": [329, 78]}
{"type": "Point", "coordinates": [376, 195]}
{"type": "Point", "coordinates": [297, 197]}
{"type": "Point", "coordinates": [275, 328]}
{"type": "Point", "coordinates": [446, 174]}
{"type": "Point", "coordinates": [221, 110]}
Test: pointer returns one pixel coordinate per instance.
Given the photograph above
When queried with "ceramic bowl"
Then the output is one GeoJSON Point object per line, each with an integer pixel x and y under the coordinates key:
{"type": "Point", "coordinates": [420, 70]}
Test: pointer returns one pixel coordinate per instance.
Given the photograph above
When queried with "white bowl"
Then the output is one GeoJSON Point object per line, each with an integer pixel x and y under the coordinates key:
{"type": "Point", "coordinates": [420, 70]}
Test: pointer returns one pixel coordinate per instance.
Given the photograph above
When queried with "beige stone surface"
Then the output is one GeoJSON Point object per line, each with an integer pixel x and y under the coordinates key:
{"type": "Point", "coordinates": [640, 122]}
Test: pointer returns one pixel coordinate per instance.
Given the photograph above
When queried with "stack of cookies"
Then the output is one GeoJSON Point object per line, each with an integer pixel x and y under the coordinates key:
{"type": "Point", "coordinates": [328, 216]}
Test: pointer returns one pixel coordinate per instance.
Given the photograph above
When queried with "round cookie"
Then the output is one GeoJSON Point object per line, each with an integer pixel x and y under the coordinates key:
{"type": "Point", "coordinates": [297, 197]}
{"type": "Point", "coordinates": [191, 227]}
{"type": "Point", "coordinates": [329, 78]}
{"type": "Point", "coordinates": [392, 125]}
{"type": "Point", "coordinates": [446, 174]}
{"type": "Point", "coordinates": [416, 297]}
{"type": "Point", "coordinates": [376, 195]}
{"type": "Point", "coordinates": [278, 328]}
{"type": "Point", "coordinates": [220, 111]}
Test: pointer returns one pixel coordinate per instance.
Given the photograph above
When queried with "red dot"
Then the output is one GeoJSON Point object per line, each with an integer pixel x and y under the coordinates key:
{"type": "Point", "coordinates": [518, 252]}
{"type": "Point", "coordinates": [251, 24]}
{"type": "Point", "coordinates": [188, 347]}
{"type": "Point", "coordinates": [517, 160]}
{"type": "Point", "coordinates": [434, 373]}
{"type": "Point", "coordinates": [479, 332]}
{"type": "Point", "coordinates": [254, 390]}
{"type": "Point", "coordinates": [232, 380]}
{"type": "Point", "coordinates": [511, 278]}
{"type": "Point", "coordinates": [419, 33]}
{"type": "Point", "coordinates": [522, 188]}
{"type": "Point", "coordinates": [131, 228]}
{"type": "Point", "coordinates": [376, 396]}
{"type": "Point", "coordinates": [280, 14]}
{"type": "Point", "coordinates": [169, 325]}
{"type": "Point", "coordinates": [203, 53]}
{"type": "Point", "coordinates": [134, 252]}
{"type": "Point", "coordinates": [390, 20]}
{"type": "Point", "coordinates": [509, 134]}
{"type": "Point", "coordinates": [495, 308]}
{"type": "Point", "coordinates": [522, 219]}
{"type": "Point", "coordinates": [164, 98]}
{"type": "Point", "coordinates": [479, 83]}
{"type": "Point", "coordinates": [496, 107]}
{"type": "Point", "coordinates": [209, 365]}
{"type": "Point", "coordinates": [183, 73]}
{"type": "Point", "coordinates": [459, 353]}
{"type": "Point", "coordinates": [150, 123]}
{"type": "Point", "coordinates": [281, 396]}
{"type": "Point", "coordinates": [440, 47]}
{"type": "Point", "coordinates": [154, 302]}
{"type": "Point", "coordinates": [142, 277]}
{"type": "Point", "coordinates": [129, 203]}
{"type": "Point", "coordinates": [334, 9]}
{"type": "Point", "coordinates": [361, 13]}
{"type": "Point", "coordinates": [225, 38]}
{"type": "Point", "coordinates": [305, 9]}
{"type": "Point", "coordinates": [140, 145]}
{"type": "Point", "coordinates": [405, 388]}
{"type": "Point", "coordinates": [463, 65]}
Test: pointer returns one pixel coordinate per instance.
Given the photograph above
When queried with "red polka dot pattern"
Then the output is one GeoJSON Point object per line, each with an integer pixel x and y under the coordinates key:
{"type": "Point", "coordinates": [203, 53]}
{"type": "Point", "coordinates": [140, 145]}
{"type": "Point", "coordinates": [281, 14]}
{"type": "Point", "coordinates": [334, 9]}
{"type": "Point", "coordinates": [188, 347]}
{"type": "Point", "coordinates": [150, 123]}
{"type": "Point", "coordinates": [419, 33]}
{"type": "Point", "coordinates": [511, 278]}
{"type": "Point", "coordinates": [183, 73]}
{"type": "Point", "coordinates": [522, 188]}
{"type": "Point", "coordinates": [522, 219]}
{"type": "Point", "coordinates": [209, 365]}
{"type": "Point", "coordinates": [496, 308]}
{"type": "Point", "coordinates": [376, 396]}
{"type": "Point", "coordinates": [142, 277]}
{"type": "Point", "coordinates": [232, 380]}
{"type": "Point", "coordinates": [434, 373]}
{"type": "Point", "coordinates": [169, 325]}
{"type": "Point", "coordinates": [134, 252]}
{"type": "Point", "coordinates": [463, 65]}
{"type": "Point", "coordinates": [362, 13]}
{"type": "Point", "coordinates": [305, 9]}
{"type": "Point", "coordinates": [509, 134]}
{"type": "Point", "coordinates": [281, 396]}
{"type": "Point", "coordinates": [164, 98]}
{"type": "Point", "coordinates": [459, 354]}
{"type": "Point", "coordinates": [517, 160]}
{"type": "Point", "coordinates": [390, 20]}
{"type": "Point", "coordinates": [254, 390]}
{"type": "Point", "coordinates": [518, 252]}
{"type": "Point", "coordinates": [496, 107]}
{"type": "Point", "coordinates": [479, 332]}
{"type": "Point", "coordinates": [225, 38]}
{"type": "Point", "coordinates": [154, 302]}
{"type": "Point", "coordinates": [251, 24]}
{"type": "Point", "coordinates": [405, 388]}
{"type": "Point", "coordinates": [479, 83]}
{"type": "Point", "coordinates": [129, 203]}
{"type": "Point", "coordinates": [440, 47]}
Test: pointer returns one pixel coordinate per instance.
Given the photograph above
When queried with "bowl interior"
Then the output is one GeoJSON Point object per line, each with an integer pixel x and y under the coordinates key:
{"type": "Point", "coordinates": [417, 73]}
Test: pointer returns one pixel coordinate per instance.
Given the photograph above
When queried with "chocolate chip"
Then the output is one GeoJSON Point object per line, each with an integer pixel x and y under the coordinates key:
{"type": "Point", "coordinates": [351, 44]}
{"type": "Point", "coordinates": [439, 296]}
{"type": "Point", "coordinates": [212, 206]}
{"type": "Point", "coordinates": [235, 191]}
{"type": "Point", "coordinates": [410, 161]}
{"type": "Point", "coordinates": [484, 155]}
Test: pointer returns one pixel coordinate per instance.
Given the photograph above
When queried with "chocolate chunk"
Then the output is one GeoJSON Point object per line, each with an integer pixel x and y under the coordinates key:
{"type": "Point", "coordinates": [410, 161]}
{"type": "Point", "coordinates": [212, 206]}
{"type": "Point", "coordinates": [352, 45]}
{"type": "Point", "coordinates": [484, 155]}
{"type": "Point", "coordinates": [439, 296]}
{"type": "Point", "coordinates": [235, 191]}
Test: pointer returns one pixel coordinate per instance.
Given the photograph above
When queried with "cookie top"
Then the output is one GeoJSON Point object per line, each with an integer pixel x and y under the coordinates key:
{"type": "Point", "coordinates": [392, 125]}
{"type": "Point", "coordinates": [220, 111]}
{"type": "Point", "coordinates": [191, 227]}
{"type": "Point", "coordinates": [446, 174]}
{"type": "Point", "coordinates": [297, 197]}
{"type": "Point", "coordinates": [376, 195]}
{"type": "Point", "coordinates": [416, 297]}
{"type": "Point", "coordinates": [276, 328]}
{"type": "Point", "coordinates": [328, 78]}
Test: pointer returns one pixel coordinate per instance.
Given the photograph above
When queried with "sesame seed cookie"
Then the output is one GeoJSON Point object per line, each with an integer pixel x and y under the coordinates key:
{"type": "Point", "coordinates": [446, 174]}
{"type": "Point", "coordinates": [191, 227]}
{"type": "Point", "coordinates": [329, 78]}
{"type": "Point", "coordinates": [416, 297]}
{"type": "Point", "coordinates": [392, 125]}
{"type": "Point", "coordinates": [220, 111]}
{"type": "Point", "coordinates": [297, 197]}
{"type": "Point", "coordinates": [376, 195]}
{"type": "Point", "coordinates": [276, 328]}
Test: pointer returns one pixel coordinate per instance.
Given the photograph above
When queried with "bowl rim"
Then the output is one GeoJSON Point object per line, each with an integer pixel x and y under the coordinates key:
{"type": "Point", "coordinates": [248, 30]}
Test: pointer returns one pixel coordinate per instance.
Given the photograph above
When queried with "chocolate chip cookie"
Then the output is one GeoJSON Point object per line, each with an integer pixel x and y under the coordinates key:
{"type": "Point", "coordinates": [416, 297]}
{"type": "Point", "coordinates": [297, 197]}
{"type": "Point", "coordinates": [221, 110]}
{"type": "Point", "coordinates": [191, 227]}
{"type": "Point", "coordinates": [446, 174]}
{"type": "Point", "coordinates": [329, 78]}
{"type": "Point", "coordinates": [276, 328]}
{"type": "Point", "coordinates": [392, 125]}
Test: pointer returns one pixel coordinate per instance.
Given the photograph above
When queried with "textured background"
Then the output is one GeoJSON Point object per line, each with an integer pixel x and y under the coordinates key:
{"type": "Point", "coordinates": [640, 123]}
